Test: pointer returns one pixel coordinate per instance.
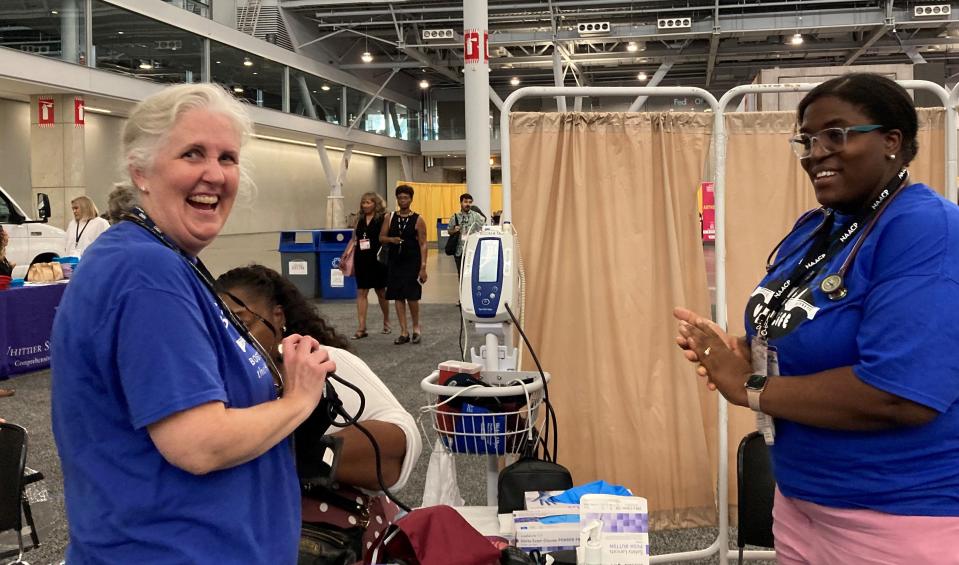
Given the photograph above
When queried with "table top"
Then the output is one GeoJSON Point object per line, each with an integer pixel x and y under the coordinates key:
{"type": "Point", "coordinates": [486, 520]}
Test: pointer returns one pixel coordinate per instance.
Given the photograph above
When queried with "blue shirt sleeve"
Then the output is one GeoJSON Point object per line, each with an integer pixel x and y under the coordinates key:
{"type": "Point", "coordinates": [165, 355]}
{"type": "Point", "coordinates": [908, 335]}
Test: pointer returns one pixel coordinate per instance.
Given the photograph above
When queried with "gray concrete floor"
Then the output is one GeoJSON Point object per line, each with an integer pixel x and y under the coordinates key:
{"type": "Point", "coordinates": [400, 367]}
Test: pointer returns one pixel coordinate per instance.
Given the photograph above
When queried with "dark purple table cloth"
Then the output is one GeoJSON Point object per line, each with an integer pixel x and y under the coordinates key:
{"type": "Point", "coordinates": [27, 319]}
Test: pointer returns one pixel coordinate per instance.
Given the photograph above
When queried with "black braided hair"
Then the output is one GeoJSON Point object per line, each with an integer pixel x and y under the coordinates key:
{"type": "Point", "coordinates": [301, 317]}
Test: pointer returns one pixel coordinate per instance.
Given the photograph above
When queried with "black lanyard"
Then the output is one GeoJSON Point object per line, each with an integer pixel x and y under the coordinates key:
{"type": "Point", "coordinates": [79, 231]}
{"type": "Point", "coordinates": [825, 246]}
{"type": "Point", "coordinates": [137, 216]}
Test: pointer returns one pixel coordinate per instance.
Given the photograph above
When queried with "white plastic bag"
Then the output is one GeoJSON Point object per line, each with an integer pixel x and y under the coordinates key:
{"type": "Point", "coordinates": [441, 486]}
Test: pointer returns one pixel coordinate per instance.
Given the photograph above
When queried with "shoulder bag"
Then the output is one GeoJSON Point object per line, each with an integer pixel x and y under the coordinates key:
{"type": "Point", "coordinates": [453, 241]}
{"type": "Point", "coordinates": [383, 255]}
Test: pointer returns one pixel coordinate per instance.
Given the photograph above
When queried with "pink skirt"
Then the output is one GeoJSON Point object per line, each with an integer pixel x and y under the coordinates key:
{"type": "Point", "coordinates": [807, 533]}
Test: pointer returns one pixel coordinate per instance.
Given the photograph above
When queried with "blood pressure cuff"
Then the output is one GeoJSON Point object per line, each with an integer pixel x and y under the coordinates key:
{"type": "Point", "coordinates": [316, 453]}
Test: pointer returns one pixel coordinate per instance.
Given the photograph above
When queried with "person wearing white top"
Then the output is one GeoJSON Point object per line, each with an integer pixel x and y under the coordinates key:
{"type": "Point", "coordinates": [85, 226]}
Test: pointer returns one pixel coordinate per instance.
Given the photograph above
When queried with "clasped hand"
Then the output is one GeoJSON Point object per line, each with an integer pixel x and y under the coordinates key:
{"type": "Point", "coordinates": [723, 360]}
{"type": "Point", "coordinates": [305, 366]}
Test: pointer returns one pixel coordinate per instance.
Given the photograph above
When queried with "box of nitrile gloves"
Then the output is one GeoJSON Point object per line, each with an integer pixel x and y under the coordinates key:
{"type": "Point", "coordinates": [545, 533]}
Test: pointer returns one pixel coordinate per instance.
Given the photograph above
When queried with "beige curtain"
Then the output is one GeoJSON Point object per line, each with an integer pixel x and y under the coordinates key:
{"type": "Point", "coordinates": [605, 205]}
{"type": "Point", "coordinates": [766, 192]}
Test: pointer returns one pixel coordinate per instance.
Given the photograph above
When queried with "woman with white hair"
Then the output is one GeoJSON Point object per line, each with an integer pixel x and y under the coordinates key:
{"type": "Point", "coordinates": [171, 421]}
{"type": "Point", "coordinates": [85, 226]}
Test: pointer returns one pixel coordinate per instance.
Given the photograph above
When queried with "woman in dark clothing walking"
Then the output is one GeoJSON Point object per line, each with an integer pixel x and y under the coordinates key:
{"type": "Point", "coordinates": [369, 272]}
{"type": "Point", "coordinates": [406, 234]}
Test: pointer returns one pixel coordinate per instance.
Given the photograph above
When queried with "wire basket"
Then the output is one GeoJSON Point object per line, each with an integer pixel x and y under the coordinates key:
{"type": "Point", "coordinates": [484, 420]}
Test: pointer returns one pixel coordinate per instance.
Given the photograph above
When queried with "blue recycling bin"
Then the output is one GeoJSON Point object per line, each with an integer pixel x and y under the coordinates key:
{"type": "Point", "coordinates": [298, 260]}
{"type": "Point", "coordinates": [332, 244]}
{"type": "Point", "coordinates": [442, 233]}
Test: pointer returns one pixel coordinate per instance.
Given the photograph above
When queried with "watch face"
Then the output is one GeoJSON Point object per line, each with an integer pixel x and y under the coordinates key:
{"type": "Point", "coordinates": [756, 382]}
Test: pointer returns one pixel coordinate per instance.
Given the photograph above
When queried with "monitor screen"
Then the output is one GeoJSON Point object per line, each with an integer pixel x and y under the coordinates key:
{"type": "Point", "coordinates": [489, 260]}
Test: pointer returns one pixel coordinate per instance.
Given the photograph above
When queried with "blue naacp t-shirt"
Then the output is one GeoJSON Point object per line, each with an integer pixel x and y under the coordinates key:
{"type": "Point", "coordinates": [137, 338]}
{"type": "Point", "coordinates": [897, 329]}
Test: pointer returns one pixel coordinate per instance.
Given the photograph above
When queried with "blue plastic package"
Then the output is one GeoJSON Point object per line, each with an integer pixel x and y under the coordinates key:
{"type": "Point", "coordinates": [573, 495]}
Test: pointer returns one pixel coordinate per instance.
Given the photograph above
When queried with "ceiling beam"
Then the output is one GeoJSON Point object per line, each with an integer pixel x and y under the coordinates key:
{"type": "Point", "coordinates": [877, 34]}
{"type": "Point", "coordinates": [657, 78]}
{"type": "Point", "coordinates": [711, 60]}
{"type": "Point", "coordinates": [427, 61]}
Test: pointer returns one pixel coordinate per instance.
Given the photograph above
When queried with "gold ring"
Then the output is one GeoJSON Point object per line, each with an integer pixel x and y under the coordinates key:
{"type": "Point", "coordinates": [706, 352]}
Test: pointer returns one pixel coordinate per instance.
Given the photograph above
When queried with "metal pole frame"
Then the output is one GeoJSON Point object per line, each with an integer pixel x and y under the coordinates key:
{"type": "Point", "coordinates": [950, 101]}
{"type": "Point", "coordinates": [721, 541]}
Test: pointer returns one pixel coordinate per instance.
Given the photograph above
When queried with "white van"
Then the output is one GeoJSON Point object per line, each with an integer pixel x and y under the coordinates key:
{"type": "Point", "coordinates": [31, 241]}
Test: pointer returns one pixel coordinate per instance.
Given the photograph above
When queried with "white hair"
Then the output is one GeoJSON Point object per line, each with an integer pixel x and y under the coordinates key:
{"type": "Point", "coordinates": [152, 119]}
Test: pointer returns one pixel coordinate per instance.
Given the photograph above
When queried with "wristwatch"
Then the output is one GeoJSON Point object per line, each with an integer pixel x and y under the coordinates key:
{"type": "Point", "coordinates": [755, 385]}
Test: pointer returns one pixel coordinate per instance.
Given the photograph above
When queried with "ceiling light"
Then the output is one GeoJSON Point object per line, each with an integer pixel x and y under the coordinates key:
{"type": "Point", "coordinates": [796, 39]}
{"type": "Point", "coordinates": [325, 88]}
{"type": "Point", "coordinates": [119, 33]}
{"type": "Point", "coordinates": [218, 62]}
{"type": "Point", "coordinates": [642, 76]}
{"type": "Point", "coordinates": [96, 110]}
{"type": "Point", "coordinates": [632, 47]}
{"type": "Point", "coordinates": [514, 81]}
{"type": "Point", "coordinates": [366, 57]}
{"type": "Point", "coordinates": [237, 89]}
{"type": "Point", "coordinates": [54, 12]}
{"type": "Point", "coordinates": [146, 65]}
{"type": "Point", "coordinates": [247, 62]}
{"type": "Point", "coordinates": [424, 84]}
{"type": "Point", "coordinates": [256, 73]}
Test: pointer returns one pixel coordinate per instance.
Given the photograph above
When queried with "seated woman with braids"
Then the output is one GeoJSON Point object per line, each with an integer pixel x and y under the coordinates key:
{"type": "Point", "coordinates": [272, 308]}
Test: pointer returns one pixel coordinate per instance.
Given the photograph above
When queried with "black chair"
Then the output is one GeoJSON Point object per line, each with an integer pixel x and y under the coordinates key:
{"type": "Point", "coordinates": [13, 502]}
{"type": "Point", "coordinates": [757, 488]}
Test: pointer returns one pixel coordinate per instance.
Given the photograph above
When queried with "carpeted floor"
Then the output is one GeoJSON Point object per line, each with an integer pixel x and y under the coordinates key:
{"type": "Point", "coordinates": [401, 367]}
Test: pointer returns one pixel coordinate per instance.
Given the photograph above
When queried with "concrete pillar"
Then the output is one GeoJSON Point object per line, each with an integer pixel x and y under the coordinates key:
{"type": "Point", "coordinates": [335, 218]}
{"type": "Point", "coordinates": [476, 55]}
{"type": "Point", "coordinates": [70, 31]}
{"type": "Point", "coordinates": [57, 156]}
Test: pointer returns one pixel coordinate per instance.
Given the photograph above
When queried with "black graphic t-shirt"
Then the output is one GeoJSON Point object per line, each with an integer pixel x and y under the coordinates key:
{"type": "Point", "coordinates": [896, 328]}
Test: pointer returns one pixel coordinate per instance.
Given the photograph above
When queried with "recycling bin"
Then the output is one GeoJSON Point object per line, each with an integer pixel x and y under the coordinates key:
{"type": "Point", "coordinates": [298, 255]}
{"type": "Point", "coordinates": [332, 244]}
{"type": "Point", "coordinates": [442, 234]}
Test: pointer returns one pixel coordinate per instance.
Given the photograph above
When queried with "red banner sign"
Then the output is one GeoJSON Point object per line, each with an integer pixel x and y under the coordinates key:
{"type": "Point", "coordinates": [474, 47]}
{"type": "Point", "coordinates": [45, 117]}
{"type": "Point", "coordinates": [78, 112]}
{"type": "Point", "coordinates": [707, 190]}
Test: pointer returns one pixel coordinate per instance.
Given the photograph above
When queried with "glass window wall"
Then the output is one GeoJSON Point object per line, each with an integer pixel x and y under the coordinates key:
{"type": "Point", "coordinates": [315, 97]}
{"type": "Point", "coordinates": [250, 77]}
{"type": "Point", "coordinates": [137, 46]}
{"type": "Point", "coordinates": [198, 7]}
{"type": "Point", "coordinates": [50, 28]}
{"type": "Point", "coordinates": [383, 117]}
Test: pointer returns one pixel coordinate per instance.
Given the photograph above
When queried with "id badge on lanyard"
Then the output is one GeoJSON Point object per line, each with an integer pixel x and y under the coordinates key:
{"type": "Point", "coordinates": [765, 361]}
{"type": "Point", "coordinates": [364, 244]}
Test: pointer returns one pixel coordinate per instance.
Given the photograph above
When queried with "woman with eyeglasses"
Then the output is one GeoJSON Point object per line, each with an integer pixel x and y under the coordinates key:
{"type": "Point", "coordinates": [171, 424]}
{"type": "Point", "coordinates": [849, 359]}
{"type": "Point", "coordinates": [272, 307]}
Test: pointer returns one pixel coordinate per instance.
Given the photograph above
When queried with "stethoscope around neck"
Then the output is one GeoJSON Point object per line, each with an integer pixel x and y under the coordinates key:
{"type": "Point", "coordinates": [833, 285]}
